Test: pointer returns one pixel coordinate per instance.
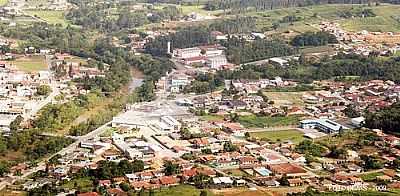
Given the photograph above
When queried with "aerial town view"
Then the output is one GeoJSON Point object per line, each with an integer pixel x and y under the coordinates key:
{"type": "Point", "coordinates": [199, 97]}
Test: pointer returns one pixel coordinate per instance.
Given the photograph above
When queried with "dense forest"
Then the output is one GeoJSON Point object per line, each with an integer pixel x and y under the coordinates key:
{"type": "Point", "coordinates": [314, 39]}
{"type": "Point", "coordinates": [387, 119]}
{"type": "Point", "coordinates": [236, 25]}
{"type": "Point", "coordinates": [240, 51]}
{"type": "Point", "coordinates": [183, 38]}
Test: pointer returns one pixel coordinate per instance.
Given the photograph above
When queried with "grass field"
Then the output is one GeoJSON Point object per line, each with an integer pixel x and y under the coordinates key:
{"type": "Point", "coordinates": [370, 176]}
{"type": "Point", "coordinates": [285, 98]}
{"type": "Point", "coordinates": [211, 117]}
{"type": "Point", "coordinates": [253, 121]}
{"type": "Point", "coordinates": [3, 2]}
{"type": "Point", "coordinates": [76, 59]}
{"type": "Point", "coordinates": [284, 135]}
{"type": "Point", "coordinates": [52, 17]}
{"type": "Point", "coordinates": [30, 64]}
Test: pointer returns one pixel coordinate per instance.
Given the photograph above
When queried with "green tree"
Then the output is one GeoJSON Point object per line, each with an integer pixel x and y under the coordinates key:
{"type": "Point", "coordinates": [171, 168]}
{"type": "Point", "coordinates": [15, 124]}
{"type": "Point", "coordinates": [230, 147]}
{"type": "Point", "coordinates": [43, 90]}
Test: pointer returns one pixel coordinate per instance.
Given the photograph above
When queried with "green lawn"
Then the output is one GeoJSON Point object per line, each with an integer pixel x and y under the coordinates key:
{"type": "Point", "coordinates": [253, 121]}
{"type": "Point", "coordinates": [52, 17]}
{"type": "Point", "coordinates": [370, 176]}
{"type": "Point", "coordinates": [284, 135]}
{"type": "Point", "coordinates": [30, 64]}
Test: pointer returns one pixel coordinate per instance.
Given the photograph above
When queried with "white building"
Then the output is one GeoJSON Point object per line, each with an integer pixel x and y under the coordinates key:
{"type": "Point", "coordinates": [171, 122]}
{"type": "Point", "coordinates": [178, 82]}
{"type": "Point", "coordinates": [187, 52]}
{"type": "Point", "coordinates": [278, 61]}
{"type": "Point", "coordinates": [216, 62]}
{"type": "Point", "coordinates": [324, 125]}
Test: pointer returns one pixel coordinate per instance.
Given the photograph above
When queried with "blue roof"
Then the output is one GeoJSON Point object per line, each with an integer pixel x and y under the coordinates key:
{"type": "Point", "coordinates": [263, 171]}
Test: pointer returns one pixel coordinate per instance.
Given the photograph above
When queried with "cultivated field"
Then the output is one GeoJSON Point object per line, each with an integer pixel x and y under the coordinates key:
{"type": "Point", "coordinates": [52, 17]}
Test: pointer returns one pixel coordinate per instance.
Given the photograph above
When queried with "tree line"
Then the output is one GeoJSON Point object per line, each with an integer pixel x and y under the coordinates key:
{"type": "Point", "coordinates": [313, 39]}
{"type": "Point", "coordinates": [241, 6]}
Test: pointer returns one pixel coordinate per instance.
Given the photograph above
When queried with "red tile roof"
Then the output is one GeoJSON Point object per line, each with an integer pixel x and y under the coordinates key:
{"type": "Point", "coordinates": [168, 180]}
{"type": "Point", "coordinates": [189, 172]}
{"type": "Point", "coordinates": [286, 168]}
{"type": "Point", "coordinates": [89, 194]}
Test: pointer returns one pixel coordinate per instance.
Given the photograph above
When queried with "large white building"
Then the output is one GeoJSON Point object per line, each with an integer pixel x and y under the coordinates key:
{"type": "Point", "coordinates": [170, 123]}
{"type": "Point", "coordinates": [187, 52]}
{"type": "Point", "coordinates": [324, 125]}
{"type": "Point", "coordinates": [215, 62]}
{"type": "Point", "coordinates": [178, 82]}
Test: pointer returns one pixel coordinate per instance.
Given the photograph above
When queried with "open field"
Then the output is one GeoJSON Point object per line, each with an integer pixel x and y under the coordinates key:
{"type": "Point", "coordinates": [81, 184]}
{"type": "Point", "coordinates": [181, 190]}
{"type": "Point", "coordinates": [235, 172]}
{"type": "Point", "coordinates": [253, 121]}
{"type": "Point", "coordinates": [317, 49]}
{"type": "Point", "coordinates": [285, 98]}
{"type": "Point", "coordinates": [284, 135]}
{"type": "Point", "coordinates": [52, 17]}
{"type": "Point", "coordinates": [309, 17]}
{"type": "Point", "coordinates": [384, 21]}
{"type": "Point", "coordinates": [30, 64]}
{"type": "Point", "coordinates": [76, 59]}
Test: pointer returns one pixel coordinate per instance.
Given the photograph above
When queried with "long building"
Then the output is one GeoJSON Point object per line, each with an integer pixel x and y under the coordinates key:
{"type": "Point", "coordinates": [324, 125]}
